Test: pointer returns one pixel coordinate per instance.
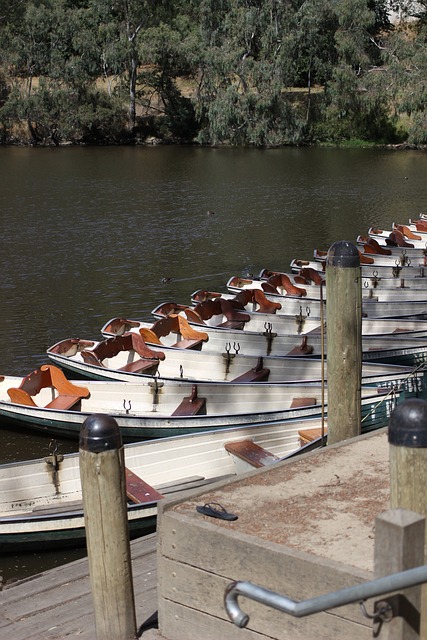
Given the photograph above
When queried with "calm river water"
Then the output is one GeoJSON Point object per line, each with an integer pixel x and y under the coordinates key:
{"type": "Point", "coordinates": [89, 234]}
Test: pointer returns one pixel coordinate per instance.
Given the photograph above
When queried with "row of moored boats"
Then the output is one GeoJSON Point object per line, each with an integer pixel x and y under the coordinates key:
{"type": "Point", "coordinates": [206, 390]}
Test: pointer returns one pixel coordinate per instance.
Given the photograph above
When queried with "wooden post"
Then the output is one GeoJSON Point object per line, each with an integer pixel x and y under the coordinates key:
{"type": "Point", "coordinates": [407, 436]}
{"type": "Point", "coordinates": [102, 475]}
{"type": "Point", "coordinates": [344, 341]}
{"type": "Point", "coordinates": [399, 545]}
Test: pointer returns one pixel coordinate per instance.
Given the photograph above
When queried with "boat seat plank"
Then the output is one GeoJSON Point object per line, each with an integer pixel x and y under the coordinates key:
{"type": "Point", "coordinates": [20, 396]}
{"type": "Point", "coordinates": [191, 405]}
{"type": "Point", "coordinates": [251, 452]}
{"type": "Point", "coordinates": [63, 402]}
{"type": "Point", "coordinates": [89, 357]}
{"type": "Point", "coordinates": [141, 365]}
{"type": "Point", "coordinates": [196, 345]}
{"type": "Point", "coordinates": [253, 375]}
{"type": "Point", "coordinates": [303, 402]}
{"type": "Point", "coordinates": [139, 491]}
{"type": "Point", "coordinates": [231, 324]}
{"type": "Point", "coordinates": [309, 435]}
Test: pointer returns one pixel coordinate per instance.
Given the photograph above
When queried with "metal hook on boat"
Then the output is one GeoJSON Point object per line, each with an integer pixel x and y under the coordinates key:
{"type": "Point", "coordinates": [53, 447]}
{"type": "Point", "coordinates": [227, 347]}
{"type": "Point", "coordinates": [236, 347]}
{"type": "Point", "coordinates": [308, 311]}
{"type": "Point", "coordinates": [268, 327]}
{"type": "Point", "coordinates": [54, 457]}
{"type": "Point", "coordinates": [127, 408]}
{"type": "Point", "coordinates": [181, 371]}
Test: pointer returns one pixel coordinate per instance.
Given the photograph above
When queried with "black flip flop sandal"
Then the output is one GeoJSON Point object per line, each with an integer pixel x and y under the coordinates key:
{"type": "Point", "coordinates": [216, 510]}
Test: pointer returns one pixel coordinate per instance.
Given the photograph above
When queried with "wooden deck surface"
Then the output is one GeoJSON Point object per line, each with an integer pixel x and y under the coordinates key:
{"type": "Point", "coordinates": [57, 604]}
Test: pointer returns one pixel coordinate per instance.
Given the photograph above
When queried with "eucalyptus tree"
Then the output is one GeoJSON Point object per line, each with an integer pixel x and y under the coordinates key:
{"type": "Point", "coordinates": [355, 105]}
{"type": "Point", "coordinates": [127, 20]}
{"type": "Point", "coordinates": [244, 70]}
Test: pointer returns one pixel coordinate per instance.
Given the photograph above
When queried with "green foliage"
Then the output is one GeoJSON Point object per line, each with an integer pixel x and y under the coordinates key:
{"type": "Point", "coordinates": [239, 72]}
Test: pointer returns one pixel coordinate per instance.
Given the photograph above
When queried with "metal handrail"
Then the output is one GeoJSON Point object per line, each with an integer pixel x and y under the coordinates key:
{"type": "Point", "coordinates": [299, 609]}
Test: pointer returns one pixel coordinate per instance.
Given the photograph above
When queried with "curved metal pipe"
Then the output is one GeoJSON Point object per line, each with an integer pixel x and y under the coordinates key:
{"type": "Point", "coordinates": [380, 586]}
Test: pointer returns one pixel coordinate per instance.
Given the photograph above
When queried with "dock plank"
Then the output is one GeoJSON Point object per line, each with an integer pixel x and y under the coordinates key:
{"type": "Point", "coordinates": [57, 604]}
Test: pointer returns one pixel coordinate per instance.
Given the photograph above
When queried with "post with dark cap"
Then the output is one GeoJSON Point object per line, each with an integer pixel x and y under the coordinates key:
{"type": "Point", "coordinates": [343, 341]}
{"type": "Point", "coordinates": [407, 436]}
{"type": "Point", "coordinates": [102, 474]}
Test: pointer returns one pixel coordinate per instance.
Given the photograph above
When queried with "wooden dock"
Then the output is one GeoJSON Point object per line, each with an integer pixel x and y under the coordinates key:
{"type": "Point", "coordinates": [305, 527]}
{"type": "Point", "coordinates": [57, 604]}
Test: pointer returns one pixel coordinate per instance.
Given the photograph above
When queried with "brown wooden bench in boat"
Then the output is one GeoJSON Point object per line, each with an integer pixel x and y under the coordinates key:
{"type": "Point", "coordinates": [191, 405]}
{"type": "Point", "coordinates": [258, 373]}
{"type": "Point", "coordinates": [308, 435]}
{"type": "Point", "coordinates": [231, 309]}
{"type": "Point", "coordinates": [282, 280]}
{"type": "Point", "coordinates": [251, 452]}
{"type": "Point", "coordinates": [68, 394]}
{"type": "Point", "coordinates": [131, 342]}
{"type": "Point", "coordinates": [119, 326]}
{"type": "Point", "coordinates": [303, 350]}
{"type": "Point", "coordinates": [406, 232]}
{"type": "Point", "coordinates": [187, 337]}
{"type": "Point", "coordinates": [258, 297]}
{"type": "Point", "coordinates": [397, 239]}
{"type": "Point", "coordinates": [138, 491]}
{"type": "Point", "coordinates": [71, 346]}
{"type": "Point", "coordinates": [298, 403]}
{"type": "Point", "coordinates": [370, 245]}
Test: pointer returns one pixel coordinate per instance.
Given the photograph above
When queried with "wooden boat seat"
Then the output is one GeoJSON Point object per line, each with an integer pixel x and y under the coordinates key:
{"type": "Point", "coordinates": [196, 345]}
{"type": "Point", "coordinates": [138, 491]}
{"type": "Point", "coordinates": [250, 452]}
{"type": "Point", "coordinates": [48, 376]}
{"type": "Point", "coordinates": [258, 373]}
{"type": "Point", "coordinates": [397, 239]}
{"type": "Point", "coordinates": [191, 405]}
{"type": "Point", "coordinates": [141, 366]}
{"type": "Point", "coordinates": [119, 326]}
{"type": "Point", "coordinates": [373, 246]}
{"type": "Point", "coordinates": [91, 358]}
{"type": "Point", "coordinates": [231, 309]}
{"type": "Point", "coordinates": [303, 350]}
{"type": "Point", "coordinates": [230, 324]}
{"type": "Point", "coordinates": [308, 435]}
{"type": "Point", "coordinates": [311, 275]}
{"type": "Point", "coordinates": [364, 259]}
{"type": "Point", "coordinates": [187, 336]}
{"type": "Point", "coordinates": [253, 375]}
{"type": "Point", "coordinates": [63, 403]}
{"type": "Point", "coordinates": [282, 280]}
{"type": "Point", "coordinates": [258, 297]}
{"type": "Point", "coordinates": [132, 342]}
{"type": "Point", "coordinates": [303, 402]}
{"type": "Point", "coordinates": [406, 232]}
{"type": "Point", "coordinates": [71, 346]}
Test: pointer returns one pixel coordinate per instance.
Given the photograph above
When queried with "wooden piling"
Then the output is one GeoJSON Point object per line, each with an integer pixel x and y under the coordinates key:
{"type": "Point", "coordinates": [107, 536]}
{"type": "Point", "coordinates": [399, 545]}
{"type": "Point", "coordinates": [344, 341]}
{"type": "Point", "coordinates": [408, 469]}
